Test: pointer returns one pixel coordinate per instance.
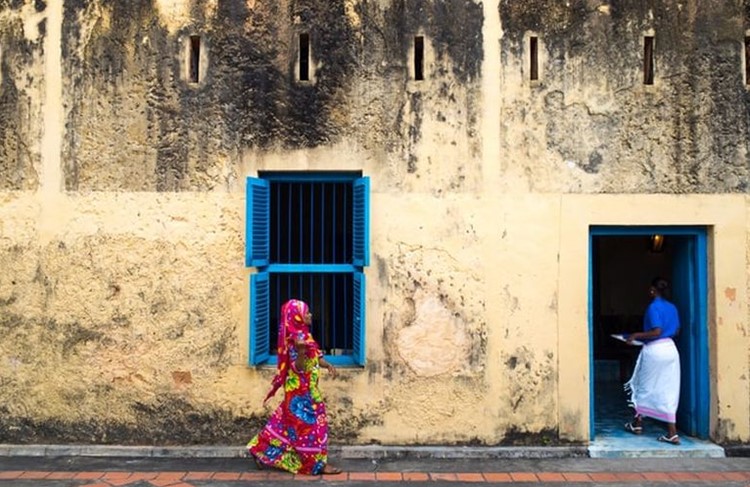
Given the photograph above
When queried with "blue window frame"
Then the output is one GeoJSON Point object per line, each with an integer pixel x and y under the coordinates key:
{"type": "Point", "coordinates": [308, 236]}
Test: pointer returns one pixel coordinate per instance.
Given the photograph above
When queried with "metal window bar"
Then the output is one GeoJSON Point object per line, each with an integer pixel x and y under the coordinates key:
{"type": "Point", "coordinates": [346, 217]}
{"type": "Point", "coordinates": [329, 296]}
{"type": "Point", "coordinates": [323, 222]}
{"type": "Point", "coordinates": [311, 221]}
{"type": "Point", "coordinates": [334, 240]}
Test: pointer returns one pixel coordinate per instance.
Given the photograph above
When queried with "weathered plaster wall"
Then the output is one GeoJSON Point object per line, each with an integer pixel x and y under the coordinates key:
{"type": "Point", "coordinates": [592, 123]}
{"type": "Point", "coordinates": [130, 108]}
{"type": "Point", "coordinates": [121, 329]}
{"type": "Point", "coordinates": [123, 308]}
{"type": "Point", "coordinates": [22, 31]}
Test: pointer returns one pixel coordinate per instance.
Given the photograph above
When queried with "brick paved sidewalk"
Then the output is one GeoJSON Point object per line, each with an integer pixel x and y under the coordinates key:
{"type": "Point", "coordinates": [187, 479]}
{"type": "Point", "coordinates": [394, 471]}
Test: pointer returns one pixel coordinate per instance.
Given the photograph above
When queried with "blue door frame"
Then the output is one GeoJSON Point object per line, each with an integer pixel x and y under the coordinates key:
{"type": "Point", "coordinates": [690, 264]}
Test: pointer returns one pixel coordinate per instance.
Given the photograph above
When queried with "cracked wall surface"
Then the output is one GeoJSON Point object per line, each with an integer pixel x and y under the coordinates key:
{"type": "Point", "coordinates": [124, 296]}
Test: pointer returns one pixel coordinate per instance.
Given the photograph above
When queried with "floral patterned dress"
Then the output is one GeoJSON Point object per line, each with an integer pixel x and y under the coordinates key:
{"type": "Point", "coordinates": [295, 438]}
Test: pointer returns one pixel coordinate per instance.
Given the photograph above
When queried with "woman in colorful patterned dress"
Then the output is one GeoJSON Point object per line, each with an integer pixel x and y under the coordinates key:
{"type": "Point", "coordinates": [295, 438]}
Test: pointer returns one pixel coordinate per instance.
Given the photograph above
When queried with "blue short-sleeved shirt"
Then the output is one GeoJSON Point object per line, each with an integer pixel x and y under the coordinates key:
{"type": "Point", "coordinates": [662, 314]}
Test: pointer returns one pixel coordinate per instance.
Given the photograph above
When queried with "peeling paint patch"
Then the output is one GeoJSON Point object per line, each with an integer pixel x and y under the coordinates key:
{"type": "Point", "coordinates": [435, 342]}
{"type": "Point", "coordinates": [436, 310]}
{"type": "Point", "coordinates": [731, 294]}
{"type": "Point", "coordinates": [182, 378]}
{"type": "Point", "coordinates": [531, 385]}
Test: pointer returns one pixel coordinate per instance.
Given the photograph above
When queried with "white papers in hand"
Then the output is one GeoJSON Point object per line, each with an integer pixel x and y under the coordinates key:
{"type": "Point", "coordinates": [623, 338]}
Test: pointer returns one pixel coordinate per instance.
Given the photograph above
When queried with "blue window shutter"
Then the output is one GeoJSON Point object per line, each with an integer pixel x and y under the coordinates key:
{"type": "Point", "coordinates": [358, 329]}
{"type": "Point", "coordinates": [257, 222]}
{"type": "Point", "coordinates": [260, 329]}
{"type": "Point", "coordinates": [361, 222]}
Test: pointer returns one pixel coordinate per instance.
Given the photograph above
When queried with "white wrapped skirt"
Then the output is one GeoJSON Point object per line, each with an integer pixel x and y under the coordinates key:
{"type": "Point", "coordinates": [655, 385]}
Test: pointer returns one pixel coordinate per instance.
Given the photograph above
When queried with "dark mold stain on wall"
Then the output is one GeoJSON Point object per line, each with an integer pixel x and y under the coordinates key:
{"type": "Point", "coordinates": [686, 133]}
{"type": "Point", "coordinates": [452, 32]}
{"type": "Point", "coordinates": [19, 125]}
{"type": "Point", "coordinates": [11, 4]}
{"type": "Point", "coordinates": [254, 77]}
{"type": "Point", "coordinates": [95, 70]}
{"type": "Point", "coordinates": [345, 424]}
{"type": "Point", "coordinates": [516, 436]}
{"type": "Point", "coordinates": [309, 117]}
{"type": "Point", "coordinates": [15, 158]}
{"type": "Point", "coordinates": [555, 19]}
{"type": "Point", "coordinates": [454, 27]}
{"type": "Point", "coordinates": [248, 99]}
{"type": "Point", "coordinates": [67, 337]}
{"type": "Point", "coordinates": [167, 420]}
{"type": "Point", "coordinates": [126, 74]}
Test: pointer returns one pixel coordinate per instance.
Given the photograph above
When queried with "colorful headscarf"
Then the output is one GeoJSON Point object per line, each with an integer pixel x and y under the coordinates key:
{"type": "Point", "coordinates": [292, 328]}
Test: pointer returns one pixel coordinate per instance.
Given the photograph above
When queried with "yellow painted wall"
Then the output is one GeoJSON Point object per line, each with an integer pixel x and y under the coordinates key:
{"type": "Point", "coordinates": [124, 304]}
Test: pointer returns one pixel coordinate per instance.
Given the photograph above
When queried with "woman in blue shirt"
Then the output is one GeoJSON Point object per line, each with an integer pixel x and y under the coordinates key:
{"type": "Point", "coordinates": [655, 385]}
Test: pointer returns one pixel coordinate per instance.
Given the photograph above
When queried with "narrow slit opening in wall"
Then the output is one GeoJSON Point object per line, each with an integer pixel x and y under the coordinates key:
{"type": "Point", "coordinates": [419, 58]}
{"type": "Point", "coordinates": [648, 60]}
{"type": "Point", "coordinates": [304, 56]}
{"type": "Point", "coordinates": [747, 60]}
{"type": "Point", "coordinates": [195, 58]}
{"type": "Point", "coordinates": [534, 55]}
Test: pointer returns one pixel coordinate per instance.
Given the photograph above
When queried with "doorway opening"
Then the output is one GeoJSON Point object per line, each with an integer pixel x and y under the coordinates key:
{"type": "Point", "coordinates": [623, 261]}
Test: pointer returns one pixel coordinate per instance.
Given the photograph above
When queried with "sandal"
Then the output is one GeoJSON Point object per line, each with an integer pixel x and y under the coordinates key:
{"type": "Point", "coordinates": [674, 440]}
{"type": "Point", "coordinates": [258, 464]}
{"type": "Point", "coordinates": [330, 470]}
{"type": "Point", "coordinates": [636, 430]}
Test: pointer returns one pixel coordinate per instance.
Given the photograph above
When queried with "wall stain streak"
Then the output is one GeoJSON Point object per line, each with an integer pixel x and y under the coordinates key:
{"type": "Point", "coordinates": [168, 420]}
{"type": "Point", "coordinates": [20, 111]}
{"type": "Point", "coordinates": [635, 138]}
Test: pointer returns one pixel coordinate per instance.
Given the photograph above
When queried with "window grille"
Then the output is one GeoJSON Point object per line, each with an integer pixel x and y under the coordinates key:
{"type": "Point", "coordinates": [312, 223]}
